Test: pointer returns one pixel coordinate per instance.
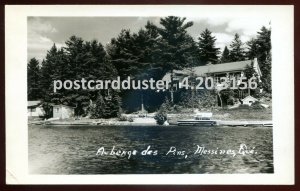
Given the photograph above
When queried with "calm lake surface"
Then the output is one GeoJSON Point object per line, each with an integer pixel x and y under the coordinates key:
{"type": "Point", "coordinates": [72, 150]}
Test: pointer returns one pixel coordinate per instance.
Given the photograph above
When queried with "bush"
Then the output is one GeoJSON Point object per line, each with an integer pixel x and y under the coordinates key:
{"type": "Point", "coordinates": [122, 118]}
{"type": "Point", "coordinates": [230, 101]}
{"type": "Point", "coordinates": [160, 117]}
{"type": "Point", "coordinates": [200, 99]}
{"type": "Point", "coordinates": [256, 105]}
{"type": "Point", "coordinates": [166, 106]}
{"type": "Point", "coordinates": [243, 107]}
{"type": "Point", "coordinates": [130, 119]}
{"type": "Point", "coordinates": [178, 108]}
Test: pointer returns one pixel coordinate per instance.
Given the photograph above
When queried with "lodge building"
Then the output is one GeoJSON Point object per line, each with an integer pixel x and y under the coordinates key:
{"type": "Point", "coordinates": [231, 70]}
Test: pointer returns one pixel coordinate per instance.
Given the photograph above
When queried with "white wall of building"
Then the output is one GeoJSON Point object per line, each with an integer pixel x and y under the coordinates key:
{"type": "Point", "coordinates": [35, 112]}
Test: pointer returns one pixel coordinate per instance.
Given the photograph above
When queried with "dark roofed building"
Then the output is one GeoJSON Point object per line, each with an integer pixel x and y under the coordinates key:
{"type": "Point", "coordinates": [35, 109]}
{"type": "Point", "coordinates": [234, 70]}
{"type": "Point", "coordinates": [217, 70]}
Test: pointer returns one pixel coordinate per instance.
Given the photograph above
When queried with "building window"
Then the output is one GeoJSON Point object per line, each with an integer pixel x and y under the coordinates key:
{"type": "Point", "coordinates": [33, 109]}
{"type": "Point", "coordinates": [57, 110]}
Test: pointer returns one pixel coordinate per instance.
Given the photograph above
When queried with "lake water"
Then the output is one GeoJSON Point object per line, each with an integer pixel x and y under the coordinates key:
{"type": "Point", "coordinates": [73, 150]}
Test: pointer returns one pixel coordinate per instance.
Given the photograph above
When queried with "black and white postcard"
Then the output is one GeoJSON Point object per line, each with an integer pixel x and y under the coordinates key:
{"type": "Point", "coordinates": [149, 94]}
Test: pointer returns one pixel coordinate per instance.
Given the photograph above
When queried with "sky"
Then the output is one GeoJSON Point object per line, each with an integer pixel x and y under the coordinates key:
{"type": "Point", "coordinates": [43, 32]}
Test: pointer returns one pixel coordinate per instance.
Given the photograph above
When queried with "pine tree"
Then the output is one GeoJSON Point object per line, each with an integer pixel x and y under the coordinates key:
{"type": "Point", "coordinates": [208, 51]}
{"type": "Point", "coordinates": [137, 55]}
{"type": "Point", "coordinates": [237, 52]}
{"type": "Point", "coordinates": [104, 106]}
{"type": "Point", "coordinates": [252, 47]}
{"type": "Point", "coordinates": [176, 45]}
{"type": "Point", "coordinates": [33, 80]}
{"type": "Point", "coordinates": [260, 48]}
{"type": "Point", "coordinates": [123, 54]}
{"type": "Point", "coordinates": [48, 70]}
{"type": "Point", "coordinates": [225, 56]}
{"type": "Point", "coordinates": [97, 110]}
{"type": "Point", "coordinates": [178, 49]}
{"type": "Point", "coordinates": [79, 59]}
{"type": "Point", "coordinates": [87, 60]}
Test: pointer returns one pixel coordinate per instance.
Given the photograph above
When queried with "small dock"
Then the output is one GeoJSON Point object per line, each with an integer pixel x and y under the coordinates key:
{"type": "Point", "coordinates": [62, 123]}
{"type": "Point", "coordinates": [197, 122]}
{"type": "Point", "coordinates": [246, 123]}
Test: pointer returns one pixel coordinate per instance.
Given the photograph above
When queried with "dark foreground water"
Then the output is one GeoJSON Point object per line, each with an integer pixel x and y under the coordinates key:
{"type": "Point", "coordinates": [73, 150]}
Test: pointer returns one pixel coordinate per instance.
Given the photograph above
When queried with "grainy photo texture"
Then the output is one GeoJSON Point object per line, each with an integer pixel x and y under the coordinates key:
{"type": "Point", "coordinates": [149, 95]}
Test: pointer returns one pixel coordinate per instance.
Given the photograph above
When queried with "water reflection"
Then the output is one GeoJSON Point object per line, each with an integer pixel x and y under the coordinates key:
{"type": "Point", "coordinates": [72, 150]}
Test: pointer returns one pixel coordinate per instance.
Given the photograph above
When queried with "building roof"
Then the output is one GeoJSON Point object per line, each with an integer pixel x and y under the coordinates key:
{"type": "Point", "coordinates": [225, 67]}
{"type": "Point", "coordinates": [62, 105]}
{"type": "Point", "coordinates": [33, 103]}
{"type": "Point", "coordinates": [250, 98]}
{"type": "Point", "coordinates": [213, 68]}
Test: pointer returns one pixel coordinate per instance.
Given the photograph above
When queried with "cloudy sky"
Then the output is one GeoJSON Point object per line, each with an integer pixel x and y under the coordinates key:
{"type": "Point", "coordinates": [44, 31]}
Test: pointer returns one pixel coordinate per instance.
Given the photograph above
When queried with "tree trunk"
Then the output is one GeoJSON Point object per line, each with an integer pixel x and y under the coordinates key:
{"type": "Point", "coordinates": [220, 99]}
{"type": "Point", "coordinates": [171, 90]}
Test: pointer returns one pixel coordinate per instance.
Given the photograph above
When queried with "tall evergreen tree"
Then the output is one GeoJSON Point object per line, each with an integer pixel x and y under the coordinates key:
{"type": "Point", "coordinates": [237, 52]}
{"type": "Point", "coordinates": [48, 70]}
{"type": "Point", "coordinates": [178, 48]}
{"type": "Point", "coordinates": [87, 60]}
{"type": "Point", "coordinates": [176, 45]}
{"type": "Point", "coordinates": [252, 47]}
{"type": "Point", "coordinates": [123, 54]}
{"type": "Point", "coordinates": [208, 51]}
{"type": "Point", "coordinates": [260, 48]}
{"type": "Point", "coordinates": [33, 80]}
{"type": "Point", "coordinates": [225, 55]}
{"type": "Point", "coordinates": [79, 59]}
{"type": "Point", "coordinates": [137, 55]}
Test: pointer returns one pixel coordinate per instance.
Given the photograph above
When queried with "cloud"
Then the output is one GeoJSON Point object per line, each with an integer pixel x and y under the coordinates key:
{"type": "Point", "coordinates": [38, 41]}
{"type": "Point", "coordinates": [248, 27]}
{"type": "Point", "coordinates": [217, 21]}
{"type": "Point", "coordinates": [224, 28]}
{"type": "Point", "coordinates": [44, 31]}
{"type": "Point", "coordinates": [223, 39]}
{"type": "Point", "coordinates": [243, 26]}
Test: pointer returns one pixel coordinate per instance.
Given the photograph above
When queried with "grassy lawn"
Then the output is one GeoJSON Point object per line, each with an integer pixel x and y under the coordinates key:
{"type": "Point", "coordinates": [242, 114]}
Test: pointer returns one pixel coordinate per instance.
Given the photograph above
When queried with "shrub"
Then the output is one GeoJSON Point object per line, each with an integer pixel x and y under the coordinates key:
{"type": "Point", "coordinates": [230, 101]}
{"type": "Point", "coordinates": [242, 106]}
{"type": "Point", "coordinates": [199, 99]}
{"type": "Point", "coordinates": [166, 106]}
{"type": "Point", "coordinates": [122, 118]}
{"type": "Point", "coordinates": [178, 108]}
{"type": "Point", "coordinates": [130, 119]}
{"type": "Point", "coordinates": [160, 117]}
{"type": "Point", "coordinates": [256, 105]}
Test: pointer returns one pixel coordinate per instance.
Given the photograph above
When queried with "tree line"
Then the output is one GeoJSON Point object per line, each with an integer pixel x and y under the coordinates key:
{"type": "Point", "coordinates": [151, 52]}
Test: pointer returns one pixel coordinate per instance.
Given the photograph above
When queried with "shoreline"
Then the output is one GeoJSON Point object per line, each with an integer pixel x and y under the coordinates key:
{"type": "Point", "coordinates": [222, 118]}
{"type": "Point", "coordinates": [229, 123]}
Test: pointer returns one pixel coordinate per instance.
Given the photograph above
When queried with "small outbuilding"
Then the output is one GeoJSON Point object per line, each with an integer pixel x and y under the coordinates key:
{"type": "Point", "coordinates": [63, 111]}
{"type": "Point", "coordinates": [35, 109]}
{"type": "Point", "coordinates": [249, 100]}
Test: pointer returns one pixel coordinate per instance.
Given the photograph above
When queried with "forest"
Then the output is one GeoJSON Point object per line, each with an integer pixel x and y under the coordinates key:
{"type": "Point", "coordinates": [151, 52]}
